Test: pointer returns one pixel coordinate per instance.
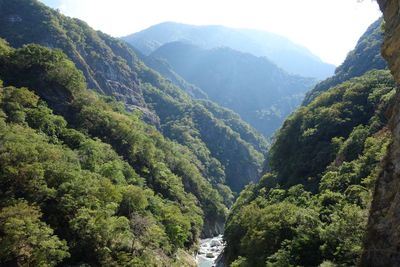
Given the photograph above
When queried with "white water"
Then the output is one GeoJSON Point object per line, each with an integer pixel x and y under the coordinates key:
{"type": "Point", "coordinates": [210, 249]}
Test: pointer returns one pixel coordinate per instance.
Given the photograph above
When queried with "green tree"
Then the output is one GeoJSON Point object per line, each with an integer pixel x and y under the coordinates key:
{"type": "Point", "coordinates": [26, 240]}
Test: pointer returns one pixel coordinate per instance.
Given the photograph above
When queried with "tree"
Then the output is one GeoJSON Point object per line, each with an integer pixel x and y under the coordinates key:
{"type": "Point", "coordinates": [26, 240]}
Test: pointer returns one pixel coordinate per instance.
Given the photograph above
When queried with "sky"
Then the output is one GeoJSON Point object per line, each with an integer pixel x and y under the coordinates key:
{"type": "Point", "coordinates": [328, 28]}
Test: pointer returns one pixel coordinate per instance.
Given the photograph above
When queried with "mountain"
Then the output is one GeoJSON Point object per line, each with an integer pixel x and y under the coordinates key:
{"type": "Point", "coordinates": [291, 57]}
{"type": "Point", "coordinates": [366, 56]}
{"type": "Point", "coordinates": [310, 207]}
{"type": "Point", "coordinates": [93, 185]}
{"type": "Point", "coordinates": [166, 70]}
{"type": "Point", "coordinates": [260, 92]}
{"type": "Point", "coordinates": [112, 68]}
{"type": "Point", "coordinates": [131, 171]}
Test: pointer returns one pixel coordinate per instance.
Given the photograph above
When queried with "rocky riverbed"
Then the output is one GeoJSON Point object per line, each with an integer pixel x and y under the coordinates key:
{"type": "Point", "coordinates": [210, 249]}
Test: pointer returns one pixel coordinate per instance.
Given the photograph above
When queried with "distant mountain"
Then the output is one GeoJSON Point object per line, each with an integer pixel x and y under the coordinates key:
{"type": "Point", "coordinates": [166, 70]}
{"type": "Point", "coordinates": [254, 87]}
{"type": "Point", "coordinates": [364, 57]}
{"type": "Point", "coordinates": [291, 57]}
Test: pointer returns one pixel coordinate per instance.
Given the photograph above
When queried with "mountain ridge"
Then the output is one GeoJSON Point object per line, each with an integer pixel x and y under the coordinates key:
{"type": "Point", "coordinates": [289, 56]}
{"type": "Point", "coordinates": [112, 68]}
{"type": "Point", "coordinates": [254, 87]}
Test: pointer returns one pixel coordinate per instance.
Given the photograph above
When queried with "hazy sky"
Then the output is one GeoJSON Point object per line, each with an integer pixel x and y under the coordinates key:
{"type": "Point", "coordinates": [329, 28]}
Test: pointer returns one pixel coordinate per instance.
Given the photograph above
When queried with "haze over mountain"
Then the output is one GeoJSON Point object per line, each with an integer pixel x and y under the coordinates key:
{"type": "Point", "coordinates": [291, 57]}
{"type": "Point", "coordinates": [254, 87]}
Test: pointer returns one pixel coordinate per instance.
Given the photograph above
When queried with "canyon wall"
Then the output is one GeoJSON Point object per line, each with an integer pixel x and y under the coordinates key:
{"type": "Point", "coordinates": [382, 243]}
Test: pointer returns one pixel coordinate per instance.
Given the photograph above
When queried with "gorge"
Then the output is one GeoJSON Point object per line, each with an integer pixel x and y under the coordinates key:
{"type": "Point", "coordinates": [143, 150]}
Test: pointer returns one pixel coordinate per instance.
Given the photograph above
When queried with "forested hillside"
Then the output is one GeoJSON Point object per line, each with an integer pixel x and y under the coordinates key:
{"type": "Point", "coordinates": [111, 156]}
{"type": "Point", "coordinates": [310, 207]}
{"type": "Point", "coordinates": [289, 56]}
{"type": "Point", "coordinates": [227, 154]}
{"type": "Point", "coordinates": [94, 183]}
{"type": "Point", "coordinates": [260, 92]}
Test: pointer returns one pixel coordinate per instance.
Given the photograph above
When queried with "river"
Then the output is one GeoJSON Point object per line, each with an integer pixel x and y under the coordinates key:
{"type": "Point", "coordinates": [210, 249]}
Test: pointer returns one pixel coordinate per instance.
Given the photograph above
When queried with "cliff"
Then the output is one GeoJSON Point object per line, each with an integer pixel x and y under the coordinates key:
{"type": "Point", "coordinates": [382, 244]}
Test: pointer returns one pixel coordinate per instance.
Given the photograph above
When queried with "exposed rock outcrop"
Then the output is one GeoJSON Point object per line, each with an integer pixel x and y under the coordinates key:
{"type": "Point", "coordinates": [212, 227]}
{"type": "Point", "coordinates": [382, 245]}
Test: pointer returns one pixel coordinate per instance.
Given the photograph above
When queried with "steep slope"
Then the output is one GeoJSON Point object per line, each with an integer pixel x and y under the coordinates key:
{"type": "Point", "coordinates": [112, 68]}
{"type": "Point", "coordinates": [228, 148]}
{"type": "Point", "coordinates": [102, 64]}
{"type": "Point", "coordinates": [291, 57]}
{"type": "Point", "coordinates": [255, 88]}
{"type": "Point", "coordinates": [307, 138]}
{"type": "Point", "coordinates": [166, 70]}
{"type": "Point", "coordinates": [93, 185]}
{"type": "Point", "coordinates": [381, 246]}
{"type": "Point", "coordinates": [311, 207]}
{"type": "Point", "coordinates": [366, 56]}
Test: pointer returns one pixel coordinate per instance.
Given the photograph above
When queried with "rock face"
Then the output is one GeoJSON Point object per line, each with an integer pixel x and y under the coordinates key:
{"type": "Point", "coordinates": [382, 245]}
{"type": "Point", "coordinates": [212, 228]}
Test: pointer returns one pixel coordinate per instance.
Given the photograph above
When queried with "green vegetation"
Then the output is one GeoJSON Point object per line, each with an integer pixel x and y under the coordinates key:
{"type": "Point", "coordinates": [94, 183]}
{"type": "Point", "coordinates": [223, 152]}
{"type": "Point", "coordinates": [254, 87]}
{"type": "Point", "coordinates": [310, 138]}
{"type": "Point", "coordinates": [231, 157]}
{"type": "Point", "coordinates": [85, 181]}
{"type": "Point", "coordinates": [311, 207]}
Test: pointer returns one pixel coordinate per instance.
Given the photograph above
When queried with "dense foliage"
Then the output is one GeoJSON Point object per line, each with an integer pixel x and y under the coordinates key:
{"type": "Point", "coordinates": [309, 139]}
{"type": "Point", "coordinates": [364, 57]}
{"type": "Point", "coordinates": [287, 55]}
{"type": "Point", "coordinates": [216, 140]}
{"type": "Point", "coordinates": [112, 68]}
{"type": "Point", "coordinates": [228, 148]}
{"type": "Point", "coordinates": [332, 147]}
{"type": "Point", "coordinates": [255, 88]}
{"type": "Point", "coordinates": [94, 184]}
{"type": "Point", "coordinates": [84, 181]}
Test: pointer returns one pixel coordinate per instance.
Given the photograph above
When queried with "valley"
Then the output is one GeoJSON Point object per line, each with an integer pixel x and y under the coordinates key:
{"type": "Point", "coordinates": [183, 145]}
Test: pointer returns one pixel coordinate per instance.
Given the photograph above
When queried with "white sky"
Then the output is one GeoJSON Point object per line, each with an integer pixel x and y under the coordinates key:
{"type": "Point", "coordinates": [329, 28]}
